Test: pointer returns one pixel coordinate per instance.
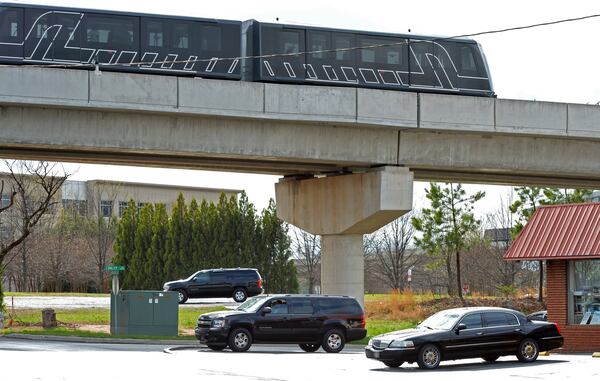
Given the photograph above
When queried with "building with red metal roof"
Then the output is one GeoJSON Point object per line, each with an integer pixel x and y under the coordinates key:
{"type": "Point", "coordinates": [567, 237]}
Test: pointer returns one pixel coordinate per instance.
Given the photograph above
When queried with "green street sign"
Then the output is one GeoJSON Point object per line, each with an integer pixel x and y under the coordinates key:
{"type": "Point", "coordinates": [114, 268]}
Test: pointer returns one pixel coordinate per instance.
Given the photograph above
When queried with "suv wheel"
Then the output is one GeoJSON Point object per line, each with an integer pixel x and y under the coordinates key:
{"type": "Point", "coordinates": [239, 295]}
{"type": "Point", "coordinates": [309, 347]}
{"type": "Point", "coordinates": [333, 341]}
{"type": "Point", "coordinates": [217, 347]}
{"type": "Point", "coordinates": [240, 340]}
{"type": "Point", "coordinates": [429, 357]}
{"type": "Point", "coordinates": [528, 350]}
{"type": "Point", "coordinates": [182, 296]}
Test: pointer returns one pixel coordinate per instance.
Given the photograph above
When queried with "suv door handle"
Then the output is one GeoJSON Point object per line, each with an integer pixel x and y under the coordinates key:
{"type": "Point", "coordinates": [518, 330]}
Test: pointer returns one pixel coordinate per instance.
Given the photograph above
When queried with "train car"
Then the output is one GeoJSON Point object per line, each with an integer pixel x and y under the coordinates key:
{"type": "Point", "coordinates": [363, 59]}
{"type": "Point", "coordinates": [120, 41]}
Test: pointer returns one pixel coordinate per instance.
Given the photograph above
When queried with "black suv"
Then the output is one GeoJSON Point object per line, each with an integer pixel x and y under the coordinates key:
{"type": "Point", "coordinates": [312, 321]}
{"type": "Point", "coordinates": [219, 283]}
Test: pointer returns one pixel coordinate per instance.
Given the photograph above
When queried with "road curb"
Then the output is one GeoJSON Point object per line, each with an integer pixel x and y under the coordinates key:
{"type": "Point", "coordinates": [95, 340]}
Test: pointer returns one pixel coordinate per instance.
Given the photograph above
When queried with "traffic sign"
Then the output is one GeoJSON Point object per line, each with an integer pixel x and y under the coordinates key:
{"type": "Point", "coordinates": [114, 268]}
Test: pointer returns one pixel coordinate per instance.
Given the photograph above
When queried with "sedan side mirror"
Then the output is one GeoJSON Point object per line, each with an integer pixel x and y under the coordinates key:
{"type": "Point", "coordinates": [266, 310]}
{"type": "Point", "coordinates": [460, 327]}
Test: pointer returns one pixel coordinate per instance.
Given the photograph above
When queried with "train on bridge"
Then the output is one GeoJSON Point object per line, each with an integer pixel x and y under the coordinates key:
{"type": "Point", "coordinates": [235, 50]}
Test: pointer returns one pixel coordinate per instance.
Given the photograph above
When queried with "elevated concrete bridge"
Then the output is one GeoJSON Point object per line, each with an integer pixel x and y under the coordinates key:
{"type": "Point", "coordinates": [348, 156]}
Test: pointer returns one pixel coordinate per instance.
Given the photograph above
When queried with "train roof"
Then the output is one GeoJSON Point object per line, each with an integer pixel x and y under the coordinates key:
{"type": "Point", "coordinates": [113, 12]}
{"type": "Point", "coordinates": [367, 32]}
{"type": "Point", "coordinates": [181, 17]}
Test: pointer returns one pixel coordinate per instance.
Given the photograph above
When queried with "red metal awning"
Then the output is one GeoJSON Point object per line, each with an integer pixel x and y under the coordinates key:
{"type": "Point", "coordinates": [559, 232]}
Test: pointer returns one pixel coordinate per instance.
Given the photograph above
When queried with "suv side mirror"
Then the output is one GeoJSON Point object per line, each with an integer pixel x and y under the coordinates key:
{"type": "Point", "coordinates": [266, 310]}
{"type": "Point", "coordinates": [460, 327]}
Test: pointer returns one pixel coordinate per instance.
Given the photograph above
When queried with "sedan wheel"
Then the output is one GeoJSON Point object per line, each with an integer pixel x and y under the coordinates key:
{"type": "Point", "coordinates": [528, 350]}
{"type": "Point", "coordinates": [309, 347]}
{"type": "Point", "coordinates": [333, 341]}
{"type": "Point", "coordinates": [240, 340]}
{"type": "Point", "coordinates": [429, 357]}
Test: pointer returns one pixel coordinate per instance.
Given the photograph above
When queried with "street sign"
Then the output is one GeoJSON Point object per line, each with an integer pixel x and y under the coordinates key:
{"type": "Point", "coordinates": [114, 268]}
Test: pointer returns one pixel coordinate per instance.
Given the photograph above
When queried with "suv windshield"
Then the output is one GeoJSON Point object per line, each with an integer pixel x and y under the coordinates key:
{"type": "Point", "coordinates": [252, 304]}
{"type": "Point", "coordinates": [441, 320]}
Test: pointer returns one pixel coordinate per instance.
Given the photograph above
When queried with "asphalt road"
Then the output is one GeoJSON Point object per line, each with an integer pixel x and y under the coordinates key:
{"type": "Point", "coordinates": [39, 360]}
{"type": "Point", "coordinates": [67, 302]}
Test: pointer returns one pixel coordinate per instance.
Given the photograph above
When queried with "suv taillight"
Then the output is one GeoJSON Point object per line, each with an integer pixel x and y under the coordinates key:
{"type": "Point", "coordinates": [363, 322]}
{"type": "Point", "coordinates": [259, 283]}
{"type": "Point", "coordinates": [557, 328]}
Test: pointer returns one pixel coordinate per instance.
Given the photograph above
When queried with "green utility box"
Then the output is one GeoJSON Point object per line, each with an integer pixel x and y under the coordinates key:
{"type": "Point", "coordinates": [150, 313]}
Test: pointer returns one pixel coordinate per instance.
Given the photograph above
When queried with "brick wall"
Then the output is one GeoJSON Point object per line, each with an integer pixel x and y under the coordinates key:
{"type": "Point", "coordinates": [578, 338]}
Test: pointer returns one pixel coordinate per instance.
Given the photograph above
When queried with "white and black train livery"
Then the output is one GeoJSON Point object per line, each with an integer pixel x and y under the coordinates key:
{"type": "Point", "coordinates": [31, 34]}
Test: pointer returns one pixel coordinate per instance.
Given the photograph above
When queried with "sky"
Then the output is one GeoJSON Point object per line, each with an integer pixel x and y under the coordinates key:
{"type": "Point", "coordinates": [555, 63]}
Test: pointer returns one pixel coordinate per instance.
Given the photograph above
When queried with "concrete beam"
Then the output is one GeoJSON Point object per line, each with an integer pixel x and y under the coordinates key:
{"type": "Point", "coordinates": [358, 203]}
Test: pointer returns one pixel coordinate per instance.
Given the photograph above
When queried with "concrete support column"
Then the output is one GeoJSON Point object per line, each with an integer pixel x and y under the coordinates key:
{"type": "Point", "coordinates": [341, 209]}
{"type": "Point", "coordinates": [342, 265]}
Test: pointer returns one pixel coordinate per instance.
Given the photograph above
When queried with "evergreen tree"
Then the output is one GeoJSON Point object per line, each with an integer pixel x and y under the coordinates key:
{"type": "Point", "coordinates": [178, 242]}
{"type": "Point", "coordinates": [276, 264]}
{"type": "Point", "coordinates": [154, 265]}
{"type": "Point", "coordinates": [446, 226]}
{"type": "Point", "coordinates": [143, 240]}
{"type": "Point", "coordinates": [125, 242]}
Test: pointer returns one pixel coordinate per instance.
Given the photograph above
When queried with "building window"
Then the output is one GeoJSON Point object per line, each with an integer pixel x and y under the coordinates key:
{"type": "Point", "coordinates": [122, 208]}
{"type": "Point", "coordinates": [5, 201]}
{"type": "Point", "coordinates": [584, 284]}
{"type": "Point", "coordinates": [140, 206]}
{"type": "Point", "coordinates": [106, 208]}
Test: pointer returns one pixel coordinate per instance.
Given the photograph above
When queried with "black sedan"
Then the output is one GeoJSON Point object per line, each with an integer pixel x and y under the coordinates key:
{"type": "Point", "coordinates": [466, 333]}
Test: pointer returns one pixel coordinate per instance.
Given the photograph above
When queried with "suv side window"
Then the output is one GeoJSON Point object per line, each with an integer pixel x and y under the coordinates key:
{"type": "Point", "coordinates": [202, 278]}
{"type": "Point", "coordinates": [218, 278]}
{"type": "Point", "coordinates": [301, 306]}
{"type": "Point", "coordinates": [338, 306]}
{"type": "Point", "coordinates": [472, 321]}
{"type": "Point", "coordinates": [279, 307]}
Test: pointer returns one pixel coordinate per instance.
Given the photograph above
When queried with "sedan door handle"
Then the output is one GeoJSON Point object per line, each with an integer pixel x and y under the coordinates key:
{"type": "Point", "coordinates": [479, 333]}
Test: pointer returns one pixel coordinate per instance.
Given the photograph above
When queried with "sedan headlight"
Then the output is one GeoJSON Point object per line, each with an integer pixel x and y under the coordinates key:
{"type": "Point", "coordinates": [370, 343]}
{"type": "Point", "coordinates": [402, 344]}
{"type": "Point", "coordinates": [218, 323]}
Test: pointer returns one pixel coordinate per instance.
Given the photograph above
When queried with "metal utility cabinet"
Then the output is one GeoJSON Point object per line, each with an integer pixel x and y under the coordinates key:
{"type": "Point", "coordinates": [151, 313]}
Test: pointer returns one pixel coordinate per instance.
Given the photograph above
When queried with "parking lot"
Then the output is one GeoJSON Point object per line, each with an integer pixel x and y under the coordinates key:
{"type": "Point", "coordinates": [287, 362]}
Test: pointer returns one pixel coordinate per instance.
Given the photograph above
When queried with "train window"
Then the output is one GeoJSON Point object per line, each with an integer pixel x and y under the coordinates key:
{"type": "Point", "coordinates": [112, 31]}
{"type": "Point", "coordinates": [367, 51]}
{"type": "Point", "coordinates": [180, 36]}
{"type": "Point", "coordinates": [155, 34]}
{"type": "Point", "coordinates": [210, 38]}
{"type": "Point", "coordinates": [289, 42]}
{"type": "Point", "coordinates": [38, 21]}
{"type": "Point", "coordinates": [467, 59]}
{"type": "Point", "coordinates": [317, 42]}
{"type": "Point", "coordinates": [10, 28]}
{"type": "Point", "coordinates": [343, 42]}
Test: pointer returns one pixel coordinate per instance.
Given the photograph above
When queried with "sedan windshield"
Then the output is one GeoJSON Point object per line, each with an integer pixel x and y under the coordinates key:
{"type": "Point", "coordinates": [441, 320]}
{"type": "Point", "coordinates": [252, 304]}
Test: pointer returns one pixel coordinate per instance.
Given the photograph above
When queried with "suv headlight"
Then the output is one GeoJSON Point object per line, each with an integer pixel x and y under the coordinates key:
{"type": "Point", "coordinates": [402, 344]}
{"type": "Point", "coordinates": [218, 323]}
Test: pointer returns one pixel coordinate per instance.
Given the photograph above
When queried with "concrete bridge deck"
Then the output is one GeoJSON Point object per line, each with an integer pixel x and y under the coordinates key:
{"type": "Point", "coordinates": [78, 115]}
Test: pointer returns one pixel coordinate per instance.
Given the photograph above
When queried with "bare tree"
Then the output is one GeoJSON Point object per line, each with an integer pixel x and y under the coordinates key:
{"type": "Point", "coordinates": [100, 227]}
{"type": "Point", "coordinates": [307, 251]}
{"type": "Point", "coordinates": [34, 191]}
{"type": "Point", "coordinates": [388, 252]}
